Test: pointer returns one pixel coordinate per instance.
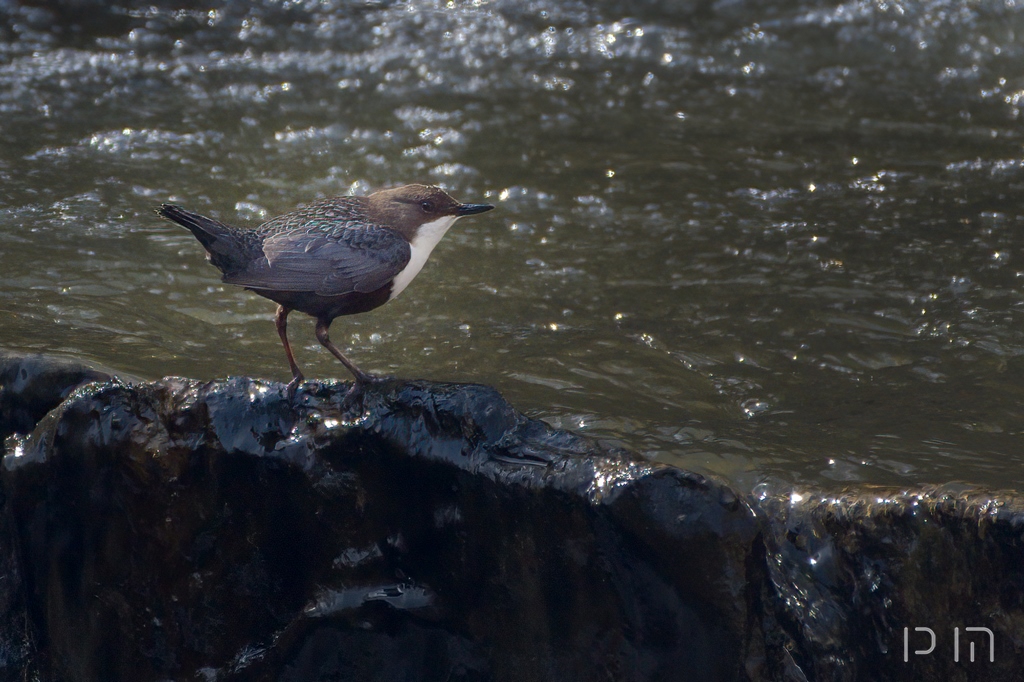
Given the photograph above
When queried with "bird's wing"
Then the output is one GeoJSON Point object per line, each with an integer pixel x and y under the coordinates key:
{"type": "Point", "coordinates": [327, 263]}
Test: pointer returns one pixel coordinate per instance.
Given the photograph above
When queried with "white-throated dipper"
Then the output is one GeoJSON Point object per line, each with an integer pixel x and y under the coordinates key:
{"type": "Point", "coordinates": [334, 257]}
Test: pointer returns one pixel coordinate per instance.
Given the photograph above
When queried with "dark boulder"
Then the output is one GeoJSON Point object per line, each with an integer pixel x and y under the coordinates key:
{"type": "Point", "coordinates": [32, 385]}
{"type": "Point", "coordinates": [179, 530]}
{"type": "Point", "coordinates": [857, 574]}
{"type": "Point", "coordinates": [174, 527]}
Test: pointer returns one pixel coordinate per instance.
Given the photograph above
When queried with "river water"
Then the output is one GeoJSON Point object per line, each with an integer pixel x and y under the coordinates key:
{"type": "Point", "coordinates": [776, 242]}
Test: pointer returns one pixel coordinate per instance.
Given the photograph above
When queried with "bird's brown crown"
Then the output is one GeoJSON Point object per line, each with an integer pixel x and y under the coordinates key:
{"type": "Point", "coordinates": [406, 208]}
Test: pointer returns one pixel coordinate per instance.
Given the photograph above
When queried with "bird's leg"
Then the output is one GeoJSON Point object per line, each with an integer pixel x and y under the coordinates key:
{"type": "Point", "coordinates": [321, 336]}
{"type": "Point", "coordinates": [281, 319]}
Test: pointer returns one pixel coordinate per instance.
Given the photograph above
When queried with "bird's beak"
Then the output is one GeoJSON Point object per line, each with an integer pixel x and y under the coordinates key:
{"type": "Point", "coordinates": [472, 209]}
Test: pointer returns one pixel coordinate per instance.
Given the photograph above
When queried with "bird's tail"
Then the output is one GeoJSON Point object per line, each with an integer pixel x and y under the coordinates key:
{"type": "Point", "coordinates": [226, 245]}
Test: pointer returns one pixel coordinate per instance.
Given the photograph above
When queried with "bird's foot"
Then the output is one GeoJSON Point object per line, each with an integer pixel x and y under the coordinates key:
{"type": "Point", "coordinates": [353, 408]}
{"type": "Point", "coordinates": [293, 386]}
{"type": "Point", "coordinates": [367, 379]}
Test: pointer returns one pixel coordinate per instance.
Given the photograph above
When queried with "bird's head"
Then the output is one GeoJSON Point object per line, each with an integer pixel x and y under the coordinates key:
{"type": "Point", "coordinates": [414, 210]}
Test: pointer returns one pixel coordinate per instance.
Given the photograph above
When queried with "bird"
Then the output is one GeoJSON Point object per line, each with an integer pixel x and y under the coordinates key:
{"type": "Point", "coordinates": [342, 255]}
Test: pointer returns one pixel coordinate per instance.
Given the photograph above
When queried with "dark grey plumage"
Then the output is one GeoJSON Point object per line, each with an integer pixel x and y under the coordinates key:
{"type": "Point", "coordinates": [331, 247]}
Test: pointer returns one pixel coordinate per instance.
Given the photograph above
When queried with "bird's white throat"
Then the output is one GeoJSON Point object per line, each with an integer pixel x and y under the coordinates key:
{"type": "Point", "coordinates": [421, 245]}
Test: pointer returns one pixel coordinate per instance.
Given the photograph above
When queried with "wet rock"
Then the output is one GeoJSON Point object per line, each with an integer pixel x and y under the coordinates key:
{"type": "Point", "coordinates": [32, 385]}
{"type": "Point", "coordinates": [172, 528]}
{"type": "Point", "coordinates": [179, 530]}
{"type": "Point", "coordinates": [856, 575]}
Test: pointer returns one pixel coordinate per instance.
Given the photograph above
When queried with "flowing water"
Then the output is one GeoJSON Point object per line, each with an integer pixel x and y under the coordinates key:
{"type": "Point", "coordinates": [777, 242]}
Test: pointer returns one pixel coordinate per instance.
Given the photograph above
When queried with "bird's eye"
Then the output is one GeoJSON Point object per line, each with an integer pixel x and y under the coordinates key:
{"type": "Point", "coordinates": [427, 206]}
